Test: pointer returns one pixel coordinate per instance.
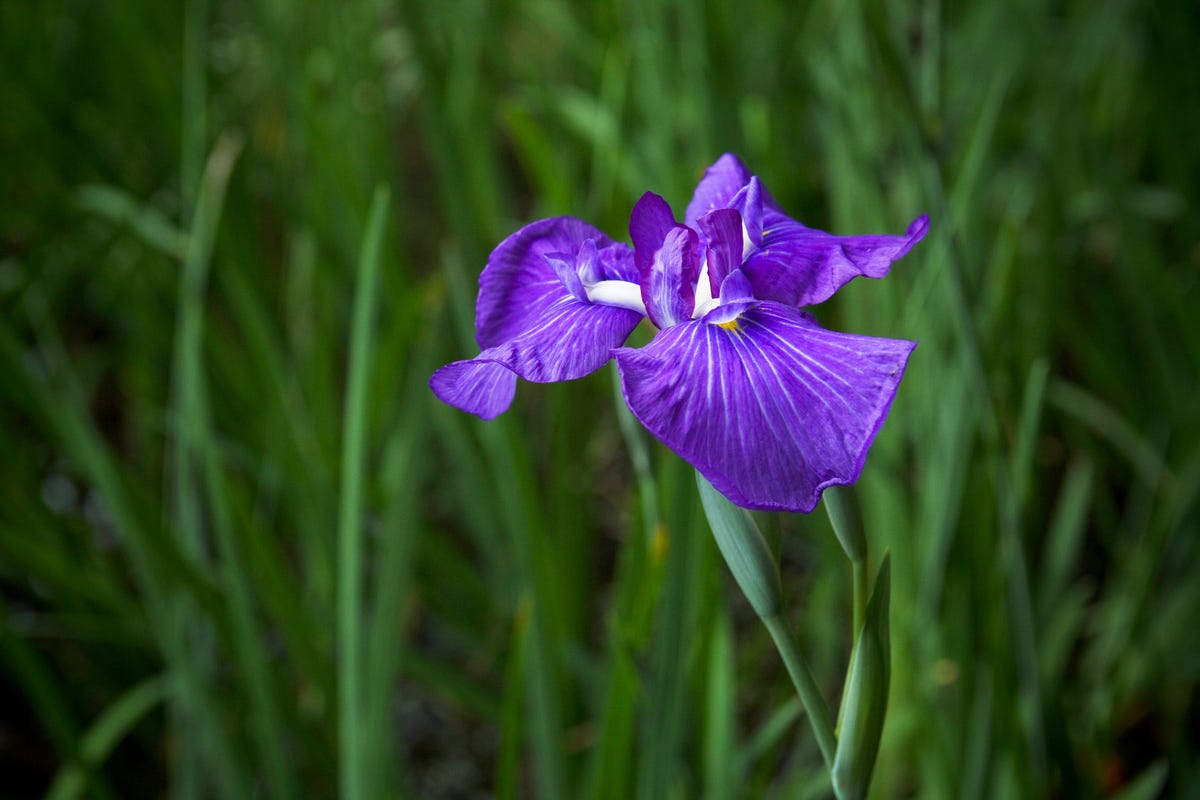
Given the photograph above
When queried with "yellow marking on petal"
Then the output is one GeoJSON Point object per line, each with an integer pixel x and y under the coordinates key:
{"type": "Point", "coordinates": [731, 325]}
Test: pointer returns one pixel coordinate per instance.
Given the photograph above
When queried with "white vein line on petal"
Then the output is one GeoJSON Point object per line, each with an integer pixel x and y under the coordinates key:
{"type": "Point", "coordinates": [803, 356]}
{"type": "Point", "coordinates": [785, 397]}
{"type": "Point", "coordinates": [800, 378]}
{"type": "Point", "coordinates": [822, 368]}
{"type": "Point", "coordinates": [745, 358]}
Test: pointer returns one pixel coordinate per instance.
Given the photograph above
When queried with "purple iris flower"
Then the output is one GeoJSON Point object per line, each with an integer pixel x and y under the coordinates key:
{"type": "Point", "coordinates": [739, 381]}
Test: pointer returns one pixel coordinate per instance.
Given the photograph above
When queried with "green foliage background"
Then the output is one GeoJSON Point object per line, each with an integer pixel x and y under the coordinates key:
{"type": "Point", "coordinates": [207, 206]}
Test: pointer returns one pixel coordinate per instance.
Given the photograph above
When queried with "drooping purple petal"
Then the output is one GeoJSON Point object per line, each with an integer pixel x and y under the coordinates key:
{"type": "Point", "coordinates": [772, 408]}
{"type": "Point", "coordinates": [568, 340]}
{"type": "Point", "coordinates": [668, 282]}
{"type": "Point", "coordinates": [722, 231]}
{"type": "Point", "coordinates": [482, 388]}
{"type": "Point", "coordinates": [801, 266]}
{"type": "Point", "coordinates": [519, 282]}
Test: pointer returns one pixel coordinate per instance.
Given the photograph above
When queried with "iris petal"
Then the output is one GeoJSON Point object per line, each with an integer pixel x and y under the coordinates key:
{"type": "Point", "coordinates": [749, 203]}
{"type": "Point", "coordinates": [649, 223]}
{"type": "Point", "coordinates": [668, 282]}
{"type": "Point", "coordinates": [790, 262]}
{"type": "Point", "coordinates": [802, 266]}
{"type": "Point", "coordinates": [720, 184]}
{"type": "Point", "coordinates": [736, 288]}
{"type": "Point", "coordinates": [722, 231]}
{"type": "Point", "coordinates": [567, 268]}
{"type": "Point", "coordinates": [482, 388]}
{"type": "Point", "coordinates": [771, 409]}
{"type": "Point", "coordinates": [568, 340]}
{"type": "Point", "coordinates": [519, 283]}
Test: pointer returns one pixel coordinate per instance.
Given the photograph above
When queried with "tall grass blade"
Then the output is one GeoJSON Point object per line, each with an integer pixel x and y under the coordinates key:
{"type": "Point", "coordinates": [352, 779]}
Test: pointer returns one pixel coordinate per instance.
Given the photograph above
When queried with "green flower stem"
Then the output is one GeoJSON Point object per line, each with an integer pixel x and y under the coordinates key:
{"type": "Point", "coordinates": [756, 571]}
{"type": "Point", "coordinates": [806, 687]}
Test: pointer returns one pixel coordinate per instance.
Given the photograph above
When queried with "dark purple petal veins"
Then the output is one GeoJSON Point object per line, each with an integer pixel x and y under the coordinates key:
{"type": "Point", "coordinates": [801, 266]}
{"type": "Point", "coordinates": [769, 407]}
{"type": "Point", "coordinates": [519, 282]}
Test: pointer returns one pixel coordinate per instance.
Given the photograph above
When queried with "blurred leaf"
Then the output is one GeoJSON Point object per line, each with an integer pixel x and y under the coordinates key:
{"type": "Point", "coordinates": [105, 733]}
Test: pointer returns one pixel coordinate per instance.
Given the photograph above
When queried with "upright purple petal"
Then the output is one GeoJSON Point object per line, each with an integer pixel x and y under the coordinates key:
{"type": "Point", "coordinates": [649, 223]}
{"type": "Point", "coordinates": [771, 409]}
{"type": "Point", "coordinates": [668, 282]}
{"type": "Point", "coordinates": [716, 189]}
{"type": "Point", "coordinates": [801, 266]}
{"type": "Point", "coordinates": [588, 266]}
{"type": "Point", "coordinates": [567, 266]}
{"type": "Point", "coordinates": [519, 282]}
{"type": "Point", "coordinates": [749, 202]}
{"type": "Point", "coordinates": [568, 340]}
{"type": "Point", "coordinates": [722, 231]}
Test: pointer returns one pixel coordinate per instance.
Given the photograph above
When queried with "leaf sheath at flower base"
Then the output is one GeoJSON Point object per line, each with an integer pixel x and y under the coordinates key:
{"type": "Point", "coordinates": [745, 550]}
{"type": "Point", "coordinates": [846, 518]}
{"type": "Point", "coordinates": [864, 700]}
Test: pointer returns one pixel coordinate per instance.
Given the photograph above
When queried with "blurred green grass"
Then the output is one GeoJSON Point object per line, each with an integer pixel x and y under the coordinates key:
{"type": "Point", "coordinates": [184, 201]}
